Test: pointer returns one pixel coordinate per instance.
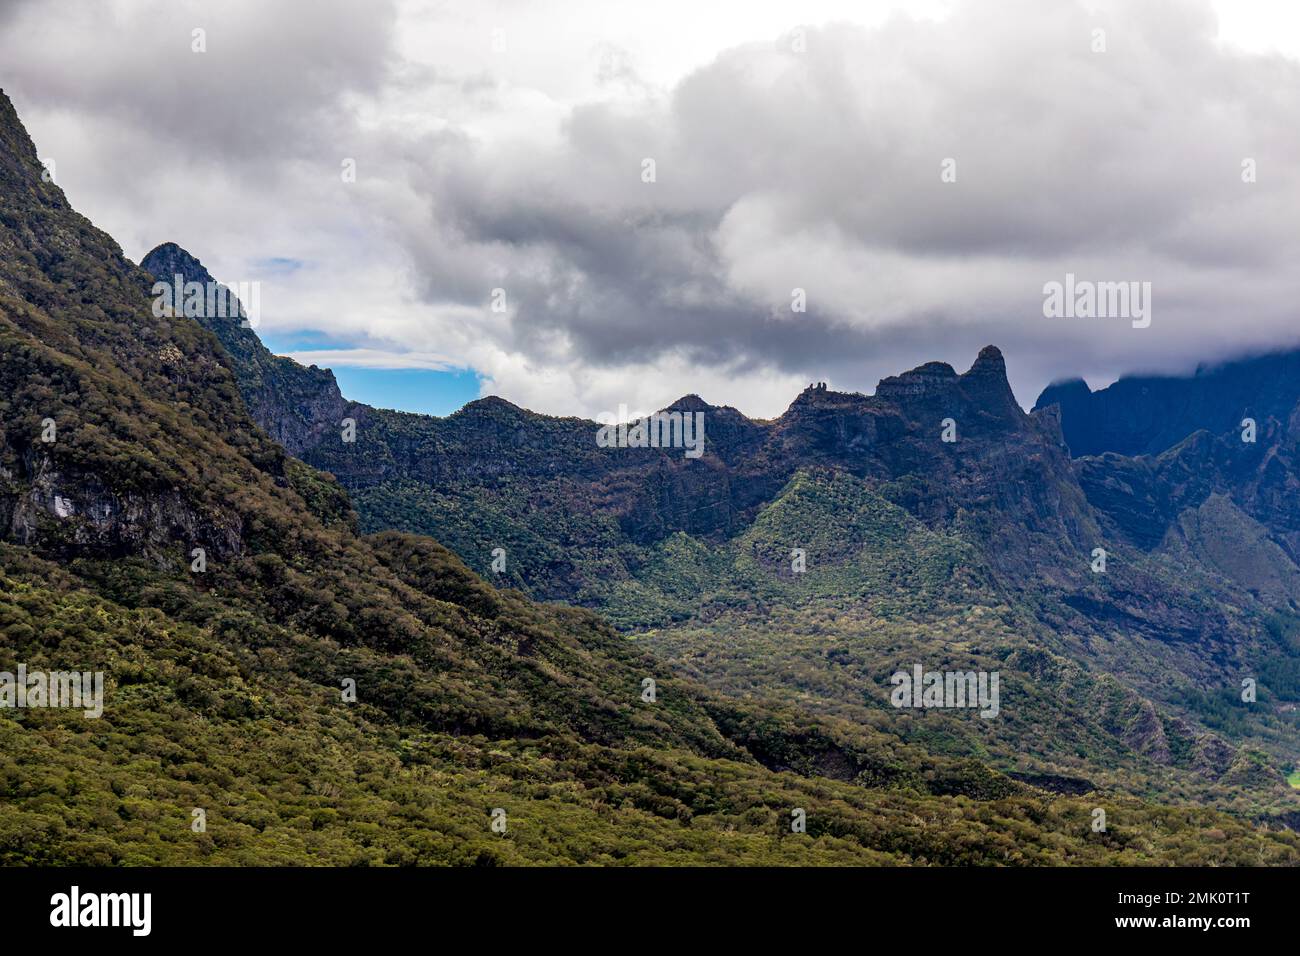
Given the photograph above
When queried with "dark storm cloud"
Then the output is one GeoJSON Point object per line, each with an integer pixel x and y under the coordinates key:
{"type": "Point", "coordinates": [811, 160]}
{"type": "Point", "coordinates": [1116, 165]}
{"type": "Point", "coordinates": [267, 86]}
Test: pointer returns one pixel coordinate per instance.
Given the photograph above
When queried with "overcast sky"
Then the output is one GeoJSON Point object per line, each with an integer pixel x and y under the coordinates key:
{"type": "Point", "coordinates": [501, 144]}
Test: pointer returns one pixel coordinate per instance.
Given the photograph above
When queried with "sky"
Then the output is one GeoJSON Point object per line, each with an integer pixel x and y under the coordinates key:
{"type": "Point", "coordinates": [919, 171]}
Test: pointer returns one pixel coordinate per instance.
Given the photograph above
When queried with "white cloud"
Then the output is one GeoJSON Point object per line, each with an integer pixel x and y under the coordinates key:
{"type": "Point", "coordinates": [519, 167]}
{"type": "Point", "coordinates": [371, 358]}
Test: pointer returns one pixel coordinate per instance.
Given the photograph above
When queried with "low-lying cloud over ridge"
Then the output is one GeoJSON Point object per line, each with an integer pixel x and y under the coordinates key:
{"type": "Point", "coordinates": [495, 150]}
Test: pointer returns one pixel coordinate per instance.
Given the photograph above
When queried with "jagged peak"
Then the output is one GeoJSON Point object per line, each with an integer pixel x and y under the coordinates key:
{"type": "Point", "coordinates": [922, 380]}
{"type": "Point", "coordinates": [690, 403]}
{"type": "Point", "coordinates": [169, 259]}
{"type": "Point", "coordinates": [987, 378]}
{"type": "Point", "coordinates": [989, 362]}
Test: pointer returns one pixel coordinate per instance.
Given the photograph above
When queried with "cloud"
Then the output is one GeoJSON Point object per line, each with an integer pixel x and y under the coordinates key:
{"type": "Point", "coordinates": [371, 358]}
{"type": "Point", "coordinates": [778, 170]}
{"type": "Point", "coordinates": [503, 147]}
{"type": "Point", "coordinates": [267, 81]}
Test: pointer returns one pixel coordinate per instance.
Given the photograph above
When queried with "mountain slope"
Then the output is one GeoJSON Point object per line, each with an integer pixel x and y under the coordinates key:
{"type": "Point", "coordinates": [657, 541]}
{"type": "Point", "coordinates": [293, 405]}
{"type": "Point", "coordinates": [1145, 415]}
{"type": "Point", "coordinates": [225, 675]}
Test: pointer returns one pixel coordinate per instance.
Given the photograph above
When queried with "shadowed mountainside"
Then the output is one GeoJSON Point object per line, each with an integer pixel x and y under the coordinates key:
{"type": "Point", "coordinates": [991, 535]}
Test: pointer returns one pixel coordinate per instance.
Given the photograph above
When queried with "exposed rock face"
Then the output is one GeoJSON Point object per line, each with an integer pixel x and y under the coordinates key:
{"type": "Point", "coordinates": [1004, 470]}
{"type": "Point", "coordinates": [70, 514]}
{"type": "Point", "coordinates": [294, 405]}
{"type": "Point", "coordinates": [929, 379]}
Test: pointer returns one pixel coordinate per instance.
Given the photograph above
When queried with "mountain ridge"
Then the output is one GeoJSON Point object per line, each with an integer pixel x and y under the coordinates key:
{"type": "Point", "coordinates": [228, 672]}
{"type": "Point", "coordinates": [1148, 414]}
{"type": "Point", "coordinates": [621, 530]}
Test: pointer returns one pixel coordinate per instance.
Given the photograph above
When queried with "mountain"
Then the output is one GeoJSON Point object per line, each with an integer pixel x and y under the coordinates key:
{"type": "Point", "coordinates": [1146, 415]}
{"type": "Point", "coordinates": [293, 405]}
{"type": "Point", "coordinates": [977, 551]}
{"type": "Point", "coordinates": [153, 530]}
{"type": "Point", "coordinates": [1004, 461]}
{"type": "Point", "coordinates": [1210, 469]}
{"type": "Point", "coordinates": [1153, 454]}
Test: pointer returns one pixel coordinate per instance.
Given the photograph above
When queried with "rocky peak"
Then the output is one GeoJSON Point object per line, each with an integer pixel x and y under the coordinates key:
{"type": "Point", "coordinates": [932, 378]}
{"type": "Point", "coordinates": [295, 405]}
{"type": "Point", "coordinates": [166, 262]}
{"type": "Point", "coordinates": [989, 364]}
{"type": "Point", "coordinates": [169, 259]}
{"type": "Point", "coordinates": [690, 403]}
{"type": "Point", "coordinates": [986, 383]}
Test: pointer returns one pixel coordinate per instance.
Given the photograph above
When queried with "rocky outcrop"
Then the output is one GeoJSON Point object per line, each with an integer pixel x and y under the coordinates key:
{"type": "Point", "coordinates": [69, 514]}
{"type": "Point", "coordinates": [933, 378]}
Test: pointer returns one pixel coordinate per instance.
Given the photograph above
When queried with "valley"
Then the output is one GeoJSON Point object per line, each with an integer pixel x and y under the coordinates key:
{"type": "Point", "coordinates": [333, 565]}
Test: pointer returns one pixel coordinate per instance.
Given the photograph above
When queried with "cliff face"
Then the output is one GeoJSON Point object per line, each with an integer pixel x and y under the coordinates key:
{"type": "Point", "coordinates": [950, 445]}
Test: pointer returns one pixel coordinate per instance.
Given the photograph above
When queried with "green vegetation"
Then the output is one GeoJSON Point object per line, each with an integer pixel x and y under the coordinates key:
{"type": "Point", "coordinates": [213, 705]}
{"type": "Point", "coordinates": [225, 686]}
{"type": "Point", "coordinates": [881, 591]}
